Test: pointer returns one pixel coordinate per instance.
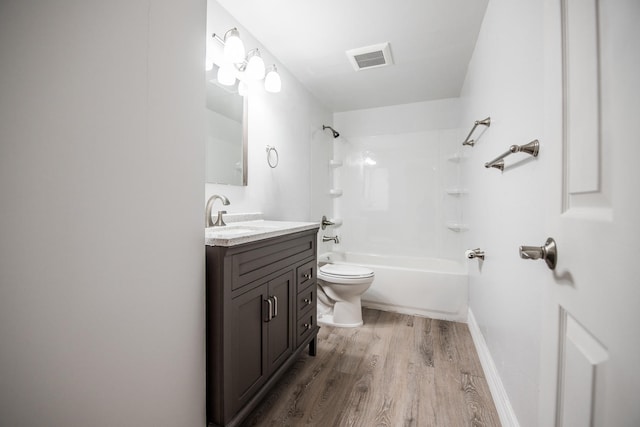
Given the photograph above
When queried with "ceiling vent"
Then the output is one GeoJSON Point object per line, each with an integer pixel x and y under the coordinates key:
{"type": "Point", "coordinates": [377, 55]}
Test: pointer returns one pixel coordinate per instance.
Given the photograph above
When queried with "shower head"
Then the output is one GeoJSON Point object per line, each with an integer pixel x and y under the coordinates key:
{"type": "Point", "coordinates": [335, 134]}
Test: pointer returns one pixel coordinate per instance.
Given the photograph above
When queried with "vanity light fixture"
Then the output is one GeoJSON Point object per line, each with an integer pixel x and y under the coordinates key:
{"type": "Point", "coordinates": [272, 82]}
{"type": "Point", "coordinates": [244, 67]}
{"type": "Point", "coordinates": [233, 46]}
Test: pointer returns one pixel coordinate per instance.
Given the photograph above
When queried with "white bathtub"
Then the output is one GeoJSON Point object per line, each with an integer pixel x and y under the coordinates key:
{"type": "Point", "coordinates": [430, 287]}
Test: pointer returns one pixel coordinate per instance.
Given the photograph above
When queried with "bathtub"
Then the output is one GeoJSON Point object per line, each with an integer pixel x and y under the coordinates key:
{"type": "Point", "coordinates": [430, 287]}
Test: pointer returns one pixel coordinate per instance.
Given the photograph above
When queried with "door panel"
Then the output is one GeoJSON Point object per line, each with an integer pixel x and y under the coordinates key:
{"type": "Point", "coordinates": [280, 340]}
{"type": "Point", "coordinates": [248, 342]}
{"type": "Point", "coordinates": [590, 335]}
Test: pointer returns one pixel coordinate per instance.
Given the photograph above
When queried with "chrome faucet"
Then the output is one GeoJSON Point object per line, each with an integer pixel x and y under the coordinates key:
{"type": "Point", "coordinates": [207, 211]}
{"type": "Point", "coordinates": [335, 239]}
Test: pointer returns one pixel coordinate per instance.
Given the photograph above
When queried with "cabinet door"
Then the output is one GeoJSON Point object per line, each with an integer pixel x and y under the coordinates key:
{"type": "Point", "coordinates": [247, 339]}
{"type": "Point", "coordinates": [280, 328]}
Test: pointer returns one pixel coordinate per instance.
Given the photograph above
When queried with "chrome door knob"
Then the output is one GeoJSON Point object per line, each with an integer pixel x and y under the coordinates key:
{"type": "Point", "coordinates": [548, 252]}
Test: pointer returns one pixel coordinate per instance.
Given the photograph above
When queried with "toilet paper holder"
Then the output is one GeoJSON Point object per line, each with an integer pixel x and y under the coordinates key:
{"type": "Point", "coordinates": [474, 253]}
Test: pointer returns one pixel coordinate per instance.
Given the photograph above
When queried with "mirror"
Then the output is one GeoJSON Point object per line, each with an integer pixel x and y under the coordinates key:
{"type": "Point", "coordinates": [226, 124]}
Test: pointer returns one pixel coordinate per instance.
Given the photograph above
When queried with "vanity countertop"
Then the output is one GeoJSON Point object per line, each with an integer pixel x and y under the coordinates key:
{"type": "Point", "coordinates": [237, 233]}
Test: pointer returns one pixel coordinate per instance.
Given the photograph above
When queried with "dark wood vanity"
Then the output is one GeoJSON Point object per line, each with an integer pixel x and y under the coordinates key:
{"type": "Point", "coordinates": [261, 315]}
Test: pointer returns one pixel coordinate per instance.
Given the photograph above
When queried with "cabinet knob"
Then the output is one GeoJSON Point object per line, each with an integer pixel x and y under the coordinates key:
{"type": "Point", "coordinates": [307, 326]}
{"type": "Point", "coordinates": [307, 276]}
{"type": "Point", "coordinates": [307, 301]}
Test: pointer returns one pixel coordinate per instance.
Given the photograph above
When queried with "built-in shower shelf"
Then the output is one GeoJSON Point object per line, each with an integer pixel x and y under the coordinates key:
{"type": "Point", "coordinates": [334, 192]}
{"type": "Point", "coordinates": [456, 191]}
{"type": "Point", "coordinates": [335, 163]}
{"type": "Point", "coordinates": [455, 158]}
{"type": "Point", "coordinates": [457, 227]}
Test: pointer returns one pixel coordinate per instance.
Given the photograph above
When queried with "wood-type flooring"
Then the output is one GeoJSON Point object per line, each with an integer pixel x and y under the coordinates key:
{"type": "Point", "coordinates": [396, 370]}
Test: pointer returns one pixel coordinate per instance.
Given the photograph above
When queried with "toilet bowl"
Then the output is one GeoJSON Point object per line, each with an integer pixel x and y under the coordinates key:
{"type": "Point", "coordinates": [339, 290]}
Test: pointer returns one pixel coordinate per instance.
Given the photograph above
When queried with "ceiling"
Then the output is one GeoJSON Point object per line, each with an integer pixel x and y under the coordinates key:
{"type": "Point", "coordinates": [431, 45]}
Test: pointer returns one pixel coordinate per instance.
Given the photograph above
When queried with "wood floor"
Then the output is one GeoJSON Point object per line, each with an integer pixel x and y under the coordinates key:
{"type": "Point", "coordinates": [396, 370]}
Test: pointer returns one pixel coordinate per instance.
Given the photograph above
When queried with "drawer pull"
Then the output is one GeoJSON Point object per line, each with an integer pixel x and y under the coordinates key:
{"type": "Point", "coordinates": [307, 326]}
{"type": "Point", "coordinates": [269, 310]}
{"type": "Point", "coordinates": [275, 306]}
{"type": "Point", "coordinates": [307, 276]}
{"type": "Point", "coordinates": [307, 301]}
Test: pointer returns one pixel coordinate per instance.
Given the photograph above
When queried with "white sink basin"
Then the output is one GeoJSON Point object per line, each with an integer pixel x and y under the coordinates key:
{"type": "Point", "coordinates": [224, 231]}
{"type": "Point", "coordinates": [246, 231]}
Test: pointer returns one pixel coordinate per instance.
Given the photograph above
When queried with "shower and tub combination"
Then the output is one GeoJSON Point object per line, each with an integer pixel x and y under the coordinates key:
{"type": "Point", "coordinates": [400, 212]}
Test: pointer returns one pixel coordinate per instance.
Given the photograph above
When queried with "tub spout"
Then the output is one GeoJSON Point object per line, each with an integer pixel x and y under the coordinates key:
{"type": "Point", "coordinates": [335, 239]}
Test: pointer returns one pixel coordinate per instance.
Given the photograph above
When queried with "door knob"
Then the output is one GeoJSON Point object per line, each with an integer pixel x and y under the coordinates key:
{"type": "Point", "coordinates": [548, 252]}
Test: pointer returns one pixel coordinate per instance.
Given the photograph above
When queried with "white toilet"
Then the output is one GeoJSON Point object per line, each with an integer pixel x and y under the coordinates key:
{"type": "Point", "coordinates": [340, 287]}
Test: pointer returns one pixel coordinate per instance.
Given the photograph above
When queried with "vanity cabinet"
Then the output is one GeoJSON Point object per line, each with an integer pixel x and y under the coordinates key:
{"type": "Point", "coordinates": [261, 310]}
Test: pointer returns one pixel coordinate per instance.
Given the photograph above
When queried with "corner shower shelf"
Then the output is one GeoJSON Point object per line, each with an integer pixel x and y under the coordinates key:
{"type": "Point", "coordinates": [334, 192]}
{"type": "Point", "coordinates": [455, 158]}
{"type": "Point", "coordinates": [335, 163]}
{"type": "Point", "coordinates": [456, 191]}
{"type": "Point", "coordinates": [454, 226]}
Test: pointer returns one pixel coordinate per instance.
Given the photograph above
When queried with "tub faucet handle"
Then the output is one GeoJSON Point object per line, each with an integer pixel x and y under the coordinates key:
{"type": "Point", "coordinates": [326, 222]}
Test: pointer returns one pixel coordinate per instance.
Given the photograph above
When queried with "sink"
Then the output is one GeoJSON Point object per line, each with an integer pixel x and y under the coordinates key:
{"type": "Point", "coordinates": [247, 231]}
{"type": "Point", "coordinates": [230, 231]}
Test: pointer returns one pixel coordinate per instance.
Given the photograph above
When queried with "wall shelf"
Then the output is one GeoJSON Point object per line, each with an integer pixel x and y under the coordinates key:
{"type": "Point", "coordinates": [455, 191]}
{"type": "Point", "coordinates": [455, 158]}
{"type": "Point", "coordinates": [454, 226]}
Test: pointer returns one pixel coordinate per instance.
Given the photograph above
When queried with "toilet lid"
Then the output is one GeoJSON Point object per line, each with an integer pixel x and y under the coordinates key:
{"type": "Point", "coordinates": [345, 270]}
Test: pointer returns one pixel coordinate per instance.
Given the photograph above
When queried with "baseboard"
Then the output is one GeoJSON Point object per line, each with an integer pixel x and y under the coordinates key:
{"type": "Point", "coordinates": [499, 394]}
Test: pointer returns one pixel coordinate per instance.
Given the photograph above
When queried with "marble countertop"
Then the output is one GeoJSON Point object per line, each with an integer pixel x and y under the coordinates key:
{"type": "Point", "coordinates": [240, 232]}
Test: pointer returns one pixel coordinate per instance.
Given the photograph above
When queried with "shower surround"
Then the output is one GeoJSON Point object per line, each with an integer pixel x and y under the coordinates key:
{"type": "Point", "coordinates": [401, 199]}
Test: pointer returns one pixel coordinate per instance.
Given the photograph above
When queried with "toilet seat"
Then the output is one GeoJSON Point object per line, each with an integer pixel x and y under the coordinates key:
{"type": "Point", "coordinates": [345, 271]}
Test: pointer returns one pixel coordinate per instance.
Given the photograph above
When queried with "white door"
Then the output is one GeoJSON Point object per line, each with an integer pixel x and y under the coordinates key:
{"type": "Point", "coordinates": [590, 362]}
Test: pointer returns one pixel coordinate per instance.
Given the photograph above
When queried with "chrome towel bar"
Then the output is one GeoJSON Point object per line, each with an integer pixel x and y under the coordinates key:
{"type": "Point", "coordinates": [531, 148]}
{"type": "Point", "coordinates": [485, 122]}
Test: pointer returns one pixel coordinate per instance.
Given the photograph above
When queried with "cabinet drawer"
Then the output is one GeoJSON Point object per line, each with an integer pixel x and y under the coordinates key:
{"type": "Point", "coordinates": [261, 260]}
{"type": "Point", "coordinates": [306, 275]}
{"type": "Point", "coordinates": [306, 301]}
{"type": "Point", "coordinates": [306, 326]}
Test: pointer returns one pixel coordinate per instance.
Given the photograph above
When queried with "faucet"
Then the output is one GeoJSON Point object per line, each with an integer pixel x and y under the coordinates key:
{"type": "Point", "coordinates": [335, 239]}
{"type": "Point", "coordinates": [207, 211]}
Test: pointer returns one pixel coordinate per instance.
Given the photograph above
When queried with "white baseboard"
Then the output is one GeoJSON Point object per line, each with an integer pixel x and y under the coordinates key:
{"type": "Point", "coordinates": [499, 394]}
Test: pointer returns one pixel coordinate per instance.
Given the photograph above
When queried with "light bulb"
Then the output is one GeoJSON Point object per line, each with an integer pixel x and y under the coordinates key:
{"type": "Point", "coordinates": [226, 75]}
{"type": "Point", "coordinates": [255, 66]}
{"type": "Point", "coordinates": [233, 46]}
{"type": "Point", "coordinates": [272, 82]}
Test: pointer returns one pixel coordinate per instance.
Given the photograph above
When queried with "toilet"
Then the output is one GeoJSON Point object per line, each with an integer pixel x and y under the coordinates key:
{"type": "Point", "coordinates": [340, 287]}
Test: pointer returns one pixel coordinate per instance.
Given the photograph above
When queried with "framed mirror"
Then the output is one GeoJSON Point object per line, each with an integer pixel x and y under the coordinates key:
{"type": "Point", "coordinates": [226, 128]}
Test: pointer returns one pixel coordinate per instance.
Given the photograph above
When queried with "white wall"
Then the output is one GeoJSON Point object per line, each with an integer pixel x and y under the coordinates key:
{"type": "Point", "coordinates": [101, 247]}
{"type": "Point", "coordinates": [504, 210]}
{"type": "Point", "coordinates": [398, 206]}
{"type": "Point", "coordinates": [292, 122]}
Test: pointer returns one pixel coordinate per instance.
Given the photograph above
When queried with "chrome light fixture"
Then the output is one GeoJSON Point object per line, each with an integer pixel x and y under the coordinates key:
{"type": "Point", "coordinates": [244, 67]}
{"type": "Point", "coordinates": [272, 82]}
{"type": "Point", "coordinates": [233, 46]}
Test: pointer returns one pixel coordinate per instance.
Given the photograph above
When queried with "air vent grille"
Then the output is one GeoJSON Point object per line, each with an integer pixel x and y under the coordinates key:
{"type": "Point", "coordinates": [378, 55]}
